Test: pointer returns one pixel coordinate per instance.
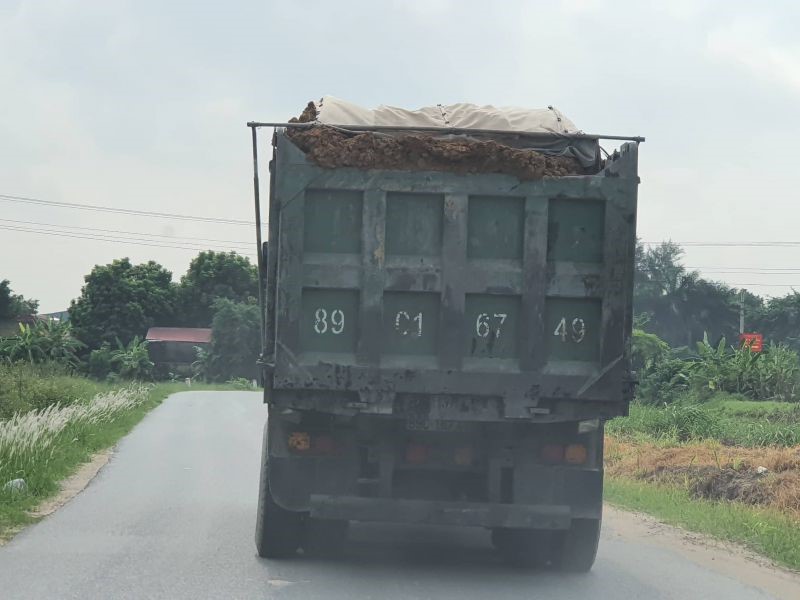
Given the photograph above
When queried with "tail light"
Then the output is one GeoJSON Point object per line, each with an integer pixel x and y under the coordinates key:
{"type": "Point", "coordinates": [312, 444]}
{"type": "Point", "coordinates": [463, 456]}
{"type": "Point", "coordinates": [575, 454]}
{"type": "Point", "coordinates": [299, 441]}
{"type": "Point", "coordinates": [416, 454]}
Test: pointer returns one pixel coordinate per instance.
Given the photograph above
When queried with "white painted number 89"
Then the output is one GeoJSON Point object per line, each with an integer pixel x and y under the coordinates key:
{"type": "Point", "coordinates": [321, 321]}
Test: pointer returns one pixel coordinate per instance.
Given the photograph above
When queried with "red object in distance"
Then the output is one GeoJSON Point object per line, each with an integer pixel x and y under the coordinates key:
{"type": "Point", "coordinates": [754, 341]}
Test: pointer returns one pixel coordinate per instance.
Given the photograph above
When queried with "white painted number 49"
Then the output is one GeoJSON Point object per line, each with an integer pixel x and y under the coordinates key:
{"type": "Point", "coordinates": [575, 333]}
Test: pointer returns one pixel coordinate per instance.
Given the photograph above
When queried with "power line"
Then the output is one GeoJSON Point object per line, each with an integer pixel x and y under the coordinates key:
{"type": "Point", "coordinates": [744, 244]}
{"type": "Point", "coordinates": [135, 233]}
{"type": "Point", "coordinates": [127, 211]}
{"type": "Point", "coordinates": [99, 238]}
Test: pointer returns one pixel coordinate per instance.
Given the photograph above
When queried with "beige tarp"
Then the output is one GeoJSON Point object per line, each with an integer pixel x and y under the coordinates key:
{"type": "Point", "coordinates": [334, 111]}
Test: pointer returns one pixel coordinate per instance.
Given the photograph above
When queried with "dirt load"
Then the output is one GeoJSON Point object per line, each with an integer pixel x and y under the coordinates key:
{"type": "Point", "coordinates": [330, 148]}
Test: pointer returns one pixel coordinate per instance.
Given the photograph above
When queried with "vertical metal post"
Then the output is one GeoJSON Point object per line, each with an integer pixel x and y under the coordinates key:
{"type": "Point", "coordinates": [259, 253]}
{"type": "Point", "coordinates": [741, 311]}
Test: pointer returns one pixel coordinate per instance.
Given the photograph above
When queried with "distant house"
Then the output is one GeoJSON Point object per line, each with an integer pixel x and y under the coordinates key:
{"type": "Point", "coordinates": [173, 348]}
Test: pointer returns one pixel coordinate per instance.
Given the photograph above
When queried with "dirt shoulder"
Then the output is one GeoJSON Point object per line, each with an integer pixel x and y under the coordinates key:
{"type": "Point", "coordinates": [724, 558]}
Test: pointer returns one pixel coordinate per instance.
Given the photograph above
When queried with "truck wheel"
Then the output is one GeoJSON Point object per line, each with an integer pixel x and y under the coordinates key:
{"type": "Point", "coordinates": [278, 531]}
{"type": "Point", "coordinates": [578, 546]}
{"type": "Point", "coordinates": [519, 547]}
{"type": "Point", "coordinates": [324, 537]}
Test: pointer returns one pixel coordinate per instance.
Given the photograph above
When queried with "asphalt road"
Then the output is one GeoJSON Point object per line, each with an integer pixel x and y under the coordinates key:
{"type": "Point", "coordinates": [172, 514]}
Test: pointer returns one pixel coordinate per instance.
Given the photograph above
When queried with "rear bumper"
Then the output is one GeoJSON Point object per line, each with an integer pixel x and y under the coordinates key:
{"type": "Point", "coordinates": [522, 516]}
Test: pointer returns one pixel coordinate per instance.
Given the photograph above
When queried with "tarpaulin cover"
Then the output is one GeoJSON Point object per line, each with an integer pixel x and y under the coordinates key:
{"type": "Point", "coordinates": [514, 120]}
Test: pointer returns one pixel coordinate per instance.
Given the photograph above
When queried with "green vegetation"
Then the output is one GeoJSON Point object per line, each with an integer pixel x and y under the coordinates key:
{"type": "Point", "coordinates": [235, 342]}
{"type": "Point", "coordinates": [210, 277]}
{"type": "Point", "coordinates": [120, 301]}
{"type": "Point", "coordinates": [666, 375]}
{"type": "Point", "coordinates": [25, 387]}
{"type": "Point", "coordinates": [729, 419]}
{"type": "Point", "coordinates": [44, 341]}
{"type": "Point", "coordinates": [682, 308]}
{"type": "Point", "coordinates": [14, 305]}
{"type": "Point", "coordinates": [766, 531]}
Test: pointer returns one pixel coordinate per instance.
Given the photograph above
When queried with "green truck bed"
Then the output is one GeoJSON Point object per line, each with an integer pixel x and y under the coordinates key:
{"type": "Point", "coordinates": [495, 298]}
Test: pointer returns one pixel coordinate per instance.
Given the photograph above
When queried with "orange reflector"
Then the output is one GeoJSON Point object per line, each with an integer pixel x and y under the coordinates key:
{"type": "Point", "coordinates": [299, 441]}
{"type": "Point", "coordinates": [416, 454]}
{"type": "Point", "coordinates": [575, 454]}
{"type": "Point", "coordinates": [463, 456]}
{"type": "Point", "coordinates": [552, 453]}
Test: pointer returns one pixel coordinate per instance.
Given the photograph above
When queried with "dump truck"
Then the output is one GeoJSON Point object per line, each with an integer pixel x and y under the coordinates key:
{"type": "Point", "coordinates": [447, 302]}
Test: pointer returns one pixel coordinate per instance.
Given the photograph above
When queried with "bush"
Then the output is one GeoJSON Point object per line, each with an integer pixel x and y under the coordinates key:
{"type": "Point", "coordinates": [44, 341]}
{"type": "Point", "coordinates": [665, 375]}
{"type": "Point", "coordinates": [133, 361]}
{"type": "Point", "coordinates": [100, 363]}
{"type": "Point", "coordinates": [25, 387]}
{"type": "Point", "coordinates": [235, 342]}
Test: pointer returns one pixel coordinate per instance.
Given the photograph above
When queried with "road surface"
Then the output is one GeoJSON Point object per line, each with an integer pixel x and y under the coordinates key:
{"type": "Point", "coordinates": [172, 514]}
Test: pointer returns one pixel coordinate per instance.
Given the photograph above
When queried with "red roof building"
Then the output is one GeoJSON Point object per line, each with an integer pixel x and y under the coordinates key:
{"type": "Point", "coordinates": [192, 335]}
{"type": "Point", "coordinates": [173, 349]}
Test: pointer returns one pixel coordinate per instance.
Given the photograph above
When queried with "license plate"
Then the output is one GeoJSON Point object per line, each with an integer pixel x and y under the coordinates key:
{"type": "Point", "coordinates": [423, 423]}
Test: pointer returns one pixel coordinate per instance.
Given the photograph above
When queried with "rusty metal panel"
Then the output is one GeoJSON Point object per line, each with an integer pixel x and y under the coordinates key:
{"type": "Point", "coordinates": [396, 282]}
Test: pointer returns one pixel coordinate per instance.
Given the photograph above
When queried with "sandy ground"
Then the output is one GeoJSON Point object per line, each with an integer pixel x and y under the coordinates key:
{"type": "Point", "coordinates": [724, 558]}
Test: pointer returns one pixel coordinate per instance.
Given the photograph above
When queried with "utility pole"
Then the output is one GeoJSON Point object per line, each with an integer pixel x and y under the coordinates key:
{"type": "Point", "coordinates": [741, 311]}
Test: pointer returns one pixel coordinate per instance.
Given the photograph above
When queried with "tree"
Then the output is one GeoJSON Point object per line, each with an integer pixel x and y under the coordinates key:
{"type": "Point", "coordinates": [779, 320]}
{"type": "Point", "coordinates": [213, 275]}
{"type": "Point", "coordinates": [121, 301]}
{"type": "Point", "coordinates": [680, 306]}
{"type": "Point", "coordinates": [13, 306]}
{"type": "Point", "coordinates": [235, 340]}
{"type": "Point", "coordinates": [41, 342]}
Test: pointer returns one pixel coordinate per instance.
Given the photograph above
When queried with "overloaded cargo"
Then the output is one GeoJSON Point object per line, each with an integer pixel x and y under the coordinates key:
{"type": "Point", "coordinates": [511, 153]}
{"type": "Point", "coordinates": [447, 322]}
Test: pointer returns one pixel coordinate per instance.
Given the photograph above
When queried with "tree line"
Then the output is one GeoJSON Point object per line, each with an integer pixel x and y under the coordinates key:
{"type": "Point", "coordinates": [683, 308]}
{"type": "Point", "coordinates": [120, 301]}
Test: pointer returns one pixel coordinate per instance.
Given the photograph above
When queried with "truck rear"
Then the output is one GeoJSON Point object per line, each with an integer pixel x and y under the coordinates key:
{"type": "Point", "coordinates": [443, 344]}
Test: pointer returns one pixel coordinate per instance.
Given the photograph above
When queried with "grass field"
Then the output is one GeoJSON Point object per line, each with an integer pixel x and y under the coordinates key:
{"type": "Point", "coordinates": [729, 419]}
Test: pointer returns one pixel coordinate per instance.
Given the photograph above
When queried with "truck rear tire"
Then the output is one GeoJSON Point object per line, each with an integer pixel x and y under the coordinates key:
{"type": "Point", "coordinates": [578, 546]}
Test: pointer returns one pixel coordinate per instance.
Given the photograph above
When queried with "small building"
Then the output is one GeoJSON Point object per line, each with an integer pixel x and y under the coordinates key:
{"type": "Point", "coordinates": [172, 349]}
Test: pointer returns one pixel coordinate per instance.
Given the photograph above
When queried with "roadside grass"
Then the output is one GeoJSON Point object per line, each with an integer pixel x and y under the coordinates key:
{"type": "Point", "coordinates": [727, 418]}
{"type": "Point", "coordinates": [25, 387]}
{"type": "Point", "coordinates": [69, 452]}
{"type": "Point", "coordinates": [766, 531]}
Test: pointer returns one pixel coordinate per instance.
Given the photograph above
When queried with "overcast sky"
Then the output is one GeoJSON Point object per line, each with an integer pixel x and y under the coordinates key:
{"type": "Point", "coordinates": [142, 104]}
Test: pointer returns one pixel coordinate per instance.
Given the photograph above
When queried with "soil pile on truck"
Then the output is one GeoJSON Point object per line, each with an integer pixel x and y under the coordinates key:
{"type": "Point", "coordinates": [332, 147]}
{"type": "Point", "coordinates": [447, 315]}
